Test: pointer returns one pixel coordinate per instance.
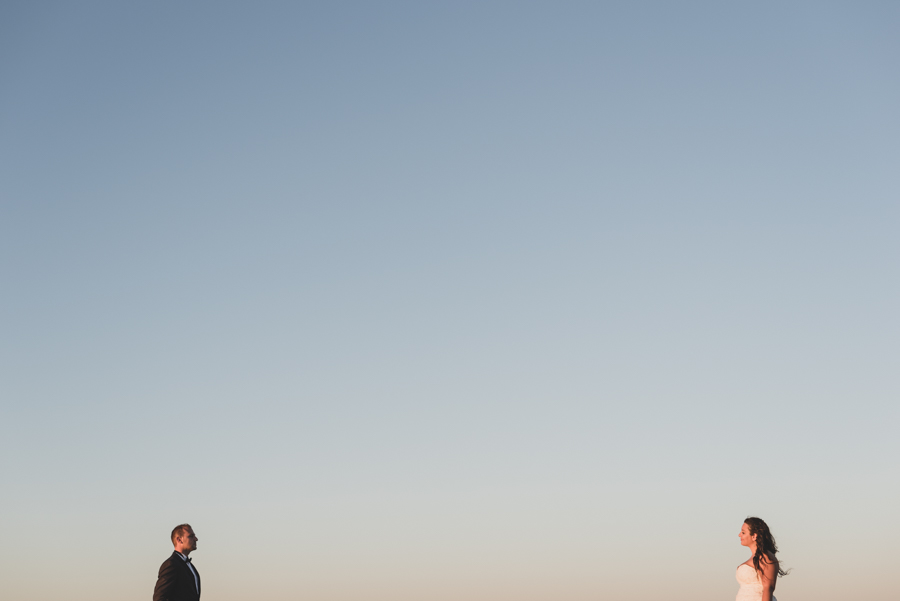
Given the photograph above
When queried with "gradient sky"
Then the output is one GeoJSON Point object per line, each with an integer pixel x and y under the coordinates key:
{"type": "Point", "coordinates": [444, 301]}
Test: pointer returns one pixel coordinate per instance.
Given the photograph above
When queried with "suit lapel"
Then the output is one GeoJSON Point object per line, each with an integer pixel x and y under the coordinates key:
{"type": "Point", "coordinates": [190, 575]}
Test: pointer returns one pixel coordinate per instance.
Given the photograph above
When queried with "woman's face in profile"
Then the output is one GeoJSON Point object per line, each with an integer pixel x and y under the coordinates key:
{"type": "Point", "coordinates": [746, 537]}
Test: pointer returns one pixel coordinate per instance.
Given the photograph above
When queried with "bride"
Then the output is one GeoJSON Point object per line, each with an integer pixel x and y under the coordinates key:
{"type": "Point", "coordinates": [757, 575]}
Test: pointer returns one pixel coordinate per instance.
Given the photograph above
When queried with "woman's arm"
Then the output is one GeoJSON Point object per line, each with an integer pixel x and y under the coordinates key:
{"type": "Point", "coordinates": [767, 576]}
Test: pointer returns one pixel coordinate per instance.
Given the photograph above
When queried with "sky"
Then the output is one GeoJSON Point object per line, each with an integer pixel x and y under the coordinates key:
{"type": "Point", "coordinates": [439, 301]}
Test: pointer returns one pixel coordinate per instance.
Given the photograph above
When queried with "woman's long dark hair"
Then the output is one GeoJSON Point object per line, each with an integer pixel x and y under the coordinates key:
{"type": "Point", "coordinates": [765, 545]}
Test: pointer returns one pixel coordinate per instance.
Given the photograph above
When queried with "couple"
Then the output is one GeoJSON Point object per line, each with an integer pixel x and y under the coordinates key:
{"type": "Point", "coordinates": [179, 581]}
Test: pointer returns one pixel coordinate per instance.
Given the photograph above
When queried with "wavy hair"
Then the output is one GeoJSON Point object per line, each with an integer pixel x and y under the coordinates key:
{"type": "Point", "coordinates": [765, 545]}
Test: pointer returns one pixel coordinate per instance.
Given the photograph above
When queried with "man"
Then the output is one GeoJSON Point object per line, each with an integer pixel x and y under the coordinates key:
{"type": "Point", "coordinates": [178, 578]}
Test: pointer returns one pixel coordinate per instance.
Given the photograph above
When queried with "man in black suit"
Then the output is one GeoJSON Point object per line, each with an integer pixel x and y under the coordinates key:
{"type": "Point", "coordinates": [178, 578]}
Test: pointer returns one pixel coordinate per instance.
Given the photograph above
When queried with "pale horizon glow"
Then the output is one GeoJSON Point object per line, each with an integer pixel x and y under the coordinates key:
{"type": "Point", "coordinates": [482, 301]}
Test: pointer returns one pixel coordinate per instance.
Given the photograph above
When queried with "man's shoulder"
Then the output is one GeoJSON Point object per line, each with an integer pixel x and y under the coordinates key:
{"type": "Point", "coordinates": [170, 561]}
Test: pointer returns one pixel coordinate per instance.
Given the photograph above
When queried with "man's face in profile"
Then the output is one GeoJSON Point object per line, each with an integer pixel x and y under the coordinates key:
{"type": "Point", "coordinates": [189, 540]}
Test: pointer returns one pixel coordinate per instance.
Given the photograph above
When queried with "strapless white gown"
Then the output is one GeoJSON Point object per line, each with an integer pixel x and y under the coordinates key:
{"type": "Point", "coordinates": [751, 588]}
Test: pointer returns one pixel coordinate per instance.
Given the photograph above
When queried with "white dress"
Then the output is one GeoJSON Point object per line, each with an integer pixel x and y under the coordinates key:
{"type": "Point", "coordinates": [751, 588]}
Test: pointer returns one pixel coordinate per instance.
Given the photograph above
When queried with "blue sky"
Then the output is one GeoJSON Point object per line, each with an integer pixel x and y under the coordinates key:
{"type": "Point", "coordinates": [443, 301]}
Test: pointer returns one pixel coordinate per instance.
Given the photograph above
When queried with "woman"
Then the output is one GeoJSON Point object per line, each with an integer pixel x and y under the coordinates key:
{"type": "Point", "coordinates": [757, 575]}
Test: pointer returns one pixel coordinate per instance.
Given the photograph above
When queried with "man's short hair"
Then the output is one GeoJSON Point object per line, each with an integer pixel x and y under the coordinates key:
{"type": "Point", "coordinates": [180, 530]}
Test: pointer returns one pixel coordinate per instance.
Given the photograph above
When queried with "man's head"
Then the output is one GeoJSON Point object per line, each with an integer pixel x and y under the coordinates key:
{"type": "Point", "coordinates": [184, 539]}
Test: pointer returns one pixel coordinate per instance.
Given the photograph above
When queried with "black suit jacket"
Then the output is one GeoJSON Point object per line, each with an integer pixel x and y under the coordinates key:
{"type": "Point", "coordinates": [176, 582]}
